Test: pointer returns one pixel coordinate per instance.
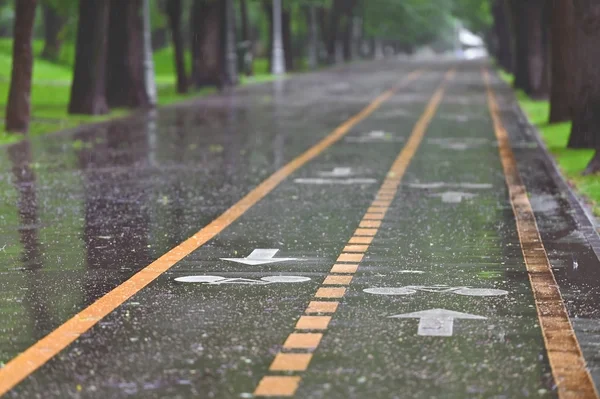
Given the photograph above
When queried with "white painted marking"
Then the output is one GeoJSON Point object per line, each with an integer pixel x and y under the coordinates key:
{"type": "Point", "coordinates": [337, 172]}
{"type": "Point", "coordinates": [480, 292]}
{"type": "Point", "coordinates": [285, 279]}
{"type": "Point", "coordinates": [437, 322]}
{"type": "Point", "coordinates": [390, 291]}
{"type": "Point", "coordinates": [260, 257]}
{"type": "Point", "coordinates": [411, 289]}
{"type": "Point", "coordinates": [449, 185]}
{"type": "Point", "coordinates": [218, 280]}
{"type": "Point", "coordinates": [374, 136]}
{"type": "Point", "coordinates": [454, 197]}
{"type": "Point", "coordinates": [320, 181]}
{"type": "Point", "coordinates": [199, 279]}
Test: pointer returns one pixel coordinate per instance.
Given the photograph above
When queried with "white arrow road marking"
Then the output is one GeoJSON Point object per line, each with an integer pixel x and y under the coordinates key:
{"type": "Point", "coordinates": [337, 172]}
{"type": "Point", "coordinates": [454, 185]}
{"type": "Point", "coordinates": [218, 280]}
{"type": "Point", "coordinates": [377, 135]}
{"type": "Point", "coordinates": [412, 289]}
{"type": "Point", "coordinates": [454, 197]}
{"type": "Point", "coordinates": [437, 322]}
{"type": "Point", "coordinates": [260, 257]}
{"type": "Point", "coordinates": [334, 181]}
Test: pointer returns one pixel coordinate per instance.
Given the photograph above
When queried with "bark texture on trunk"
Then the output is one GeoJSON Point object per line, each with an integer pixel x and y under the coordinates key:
{"type": "Point", "coordinates": [174, 9]}
{"type": "Point", "coordinates": [229, 43]}
{"type": "Point", "coordinates": [288, 51]}
{"type": "Point", "coordinates": [536, 53]}
{"type": "Point", "coordinates": [246, 38]}
{"type": "Point", "coordinates": [502, 34]}
{"type": "Point", "coordinates": [53, 25]}
{"type": "Point", "coordinates": [18, 109]}
{"type": "Point", "coordinates": [208, 44]}
{"type": "Point", "coordinates": [125, 81]}
{"type": "Point", "coordinates": [528, 36]}
{"type": "Point", "coordinates": [88, 90]}
{"type": "Point", "coordinates": [333, 28]}
{"type": "Point", "coordinates": [585, 132]}
{"type": "Point", "coordinates": [562, 34]}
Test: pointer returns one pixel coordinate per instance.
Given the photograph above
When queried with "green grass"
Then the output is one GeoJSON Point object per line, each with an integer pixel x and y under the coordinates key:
{"type": "Point", "coordinates": [571, 162]}
{"type": "Point", "coordinates": [52, 85]}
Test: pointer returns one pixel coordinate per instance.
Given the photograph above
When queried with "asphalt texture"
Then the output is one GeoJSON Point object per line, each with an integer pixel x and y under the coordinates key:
{"type": "Point", "coordinates": [84, 211]}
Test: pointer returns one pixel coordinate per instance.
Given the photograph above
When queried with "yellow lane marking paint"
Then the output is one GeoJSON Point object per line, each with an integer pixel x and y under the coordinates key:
{"type": "Point", "coordinates": [365, 232]}
{"type": "Point", "coordinates": [337, 280]}
{"type": "Point", "coordinates": [374, 216]}
{"type": "Point", "coordinates": [291, 361]}
{"type": "Point", "coordinates": [377, 209]}
{"type": "Point", "coordinates": [569, 370]}
{"type": "Point", "coordinates": [360, 240]}
{"type": "Point", "coordinates": [356, 248]}
{"type": "Point", "coordinates": [330, 292]}
{"type": "Point", "coordinates": [321, 307]}
{"type": "Point", "coordinates": [368, 228]}
{"type": "Point", "coordinates": [303, 340]}
{"type": "Point", "coordinates": [277, 386]}
{"type": "Point", "coordinates": [383, 202]}
{"type": "Point", "coordinates": [370, 224]}
{"type": "Point", "coordinates": [313, 322]}
{"type": "Point", "coordinates": [45, 349]}
{"type": "Point", "coordinates": [345, 268]}
{"type": "Point", "coordinates": [350, 258]}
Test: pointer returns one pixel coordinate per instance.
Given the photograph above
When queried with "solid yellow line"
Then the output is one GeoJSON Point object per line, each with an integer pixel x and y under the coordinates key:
{"type": "Point", "coordinates": [569, 370]}
{"type": "Point", "coordinates": [46, 348]}
{"type": "Point", "coordinates": [398, 168]}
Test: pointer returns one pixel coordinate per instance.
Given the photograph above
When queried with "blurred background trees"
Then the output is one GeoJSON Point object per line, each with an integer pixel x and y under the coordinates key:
{"type": "Point", "coordinates": [119, 54]}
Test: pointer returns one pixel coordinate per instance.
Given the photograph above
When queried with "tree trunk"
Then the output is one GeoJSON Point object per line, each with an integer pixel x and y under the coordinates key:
{"type": "Point", "coordinates": [503, 38]}
{"type": "Point", "coordinates": [537, 54]}
{"type": "Point", "coordinates": [562, 27]}
{"type": "Point", "coordinates": [247, 39]}
{"type": "Point", "coordinates": [278, 55]}
{"type": "Point", "coordinates": [18, 109]}
{"type": "Point", "coordinates": [313, 39]}
{"type": "Point", "coordinates": [288, 51]}
{"type": "Point", "coordinates": [149, 81]}
{"type": "Point", "coordinates": [88, 90]}
{"type": "Point", "coordinates": [174, 9]}
{"type": "Point", "coordinates": [125, 67]}
{"type": "Point", "coordinates": [528, 36]}
{"type": "Point", "coordinates": [208, 43]}
{"type": "Point", "coordinates": [53, 25]}
{"type": "Point", "coordinates": [268, 8]}
{"type": "Point", "coordinates": [229, 43]}
{"type": "Point", "coordinates": [332, 30]}
{"type": "Point", "coordinates": [347, 38]}
{"type": "Point", "coordinates": [585, 131]}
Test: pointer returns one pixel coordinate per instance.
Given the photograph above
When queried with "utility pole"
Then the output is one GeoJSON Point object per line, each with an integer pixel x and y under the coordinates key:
{"type": "Point", "coordinates": [278, 60]}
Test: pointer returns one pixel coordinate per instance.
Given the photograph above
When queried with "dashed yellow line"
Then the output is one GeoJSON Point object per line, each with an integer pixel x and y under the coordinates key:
{"type": "Point", "coordinates": [569, 370]}
{"type": "Point", "coordinates": [17, 369]}
{"type": "Point", "coordinates": [342, 271]}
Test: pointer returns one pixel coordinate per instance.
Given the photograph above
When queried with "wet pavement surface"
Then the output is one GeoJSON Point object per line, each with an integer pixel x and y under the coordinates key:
{"type": "Point", "coordinates": [83, 212]}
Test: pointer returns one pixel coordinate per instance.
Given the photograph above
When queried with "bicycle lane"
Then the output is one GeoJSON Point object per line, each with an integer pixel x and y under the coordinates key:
{"type": "Point", "coordinates": [441, 305]}
{"type": "Point", "coordinates": [183, 338]}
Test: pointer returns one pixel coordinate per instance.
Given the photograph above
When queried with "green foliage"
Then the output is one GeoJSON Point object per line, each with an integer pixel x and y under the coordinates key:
{"type": "Point", "coordinates": [572, 162]}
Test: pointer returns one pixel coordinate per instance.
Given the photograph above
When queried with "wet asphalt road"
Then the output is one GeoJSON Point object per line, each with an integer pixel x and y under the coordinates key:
{"type": "Point", "coordinates": [84, 211]}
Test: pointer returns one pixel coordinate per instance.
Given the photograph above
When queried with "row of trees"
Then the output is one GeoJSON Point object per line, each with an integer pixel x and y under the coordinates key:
{"type": "Point", "coordinates": [552, 49]}
{"type": "Point", "coordinates": [114, 41]}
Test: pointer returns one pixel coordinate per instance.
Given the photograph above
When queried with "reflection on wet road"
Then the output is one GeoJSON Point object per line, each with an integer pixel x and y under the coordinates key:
{"type": "Point", "coordinates": [319, 237]}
